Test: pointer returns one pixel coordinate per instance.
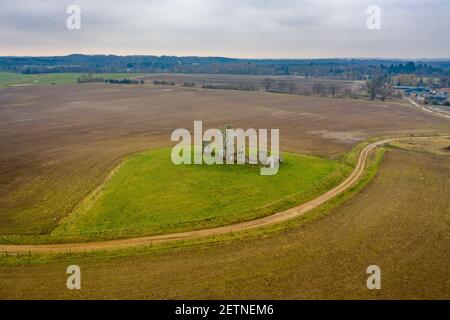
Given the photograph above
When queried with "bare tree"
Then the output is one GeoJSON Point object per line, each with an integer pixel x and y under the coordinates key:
{"type": "Point", "coordinates": [385, 92]}
{"type": "Point", "coordinates": [282, 86]}
{"type": "Point", "coordinates": [374, 87]}
{"type": "Point", "coordinates": [292, 88]}
{"type": "Point", "coordinates": [444, 81]}
{"type": "Point", "coordinates": [318, 88]}
{"type": "Point", "coordinates": [333, 89]}
{"type": "Point", "coordinates": [267, 83]}
{"type": "Point", "coordinates": [348, 93]}
{"type": "Point", "coordinates": [429, 82]}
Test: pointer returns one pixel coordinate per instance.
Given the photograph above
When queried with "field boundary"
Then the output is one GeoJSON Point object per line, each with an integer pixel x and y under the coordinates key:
{"type": "Point", "coordinates": [216, 231]}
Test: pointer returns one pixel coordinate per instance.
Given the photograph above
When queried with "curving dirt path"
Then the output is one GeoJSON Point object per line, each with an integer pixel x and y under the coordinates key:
{"type": "Point", "coordinates": [148, 240]}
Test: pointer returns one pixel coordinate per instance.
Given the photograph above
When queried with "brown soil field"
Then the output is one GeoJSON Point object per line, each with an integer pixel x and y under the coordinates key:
{"type": "Point", "coordinates": [224, 79]}
{"type": "Point", "coordinates": [275, 218]}
{"type": "Point", "coordinates": [59, 142]}
{"type": "Point", "coordinates": [400, 222]}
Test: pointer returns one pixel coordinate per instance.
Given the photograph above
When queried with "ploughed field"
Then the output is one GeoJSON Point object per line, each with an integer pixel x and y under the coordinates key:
{"type": "Point", "coordinates": [253, 81]}
{"type": "Point", "coordinates": [399, 222]}
{"type": "Point", "coordinates": [59, 143]}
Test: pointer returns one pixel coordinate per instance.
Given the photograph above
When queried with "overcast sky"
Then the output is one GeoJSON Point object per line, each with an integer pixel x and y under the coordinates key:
{"type": "Point", "coordinates": [232, 28]}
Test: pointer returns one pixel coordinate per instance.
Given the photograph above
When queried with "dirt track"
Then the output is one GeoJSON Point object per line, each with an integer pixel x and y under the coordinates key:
{"type": "Point", "coordinates": [436, 113]}
{"type": "Point", "coordinates": [275, 218]}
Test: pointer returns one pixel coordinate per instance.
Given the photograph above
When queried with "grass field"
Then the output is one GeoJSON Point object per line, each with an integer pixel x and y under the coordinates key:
{"type": "Point", "coordinates": [151, 195]}
{"type": "Point", "coordinates": [399, 222]}
{"type": "Point", "coordinates": [19, 79]}
{"type": "Point", "coordinates": [439, 146]}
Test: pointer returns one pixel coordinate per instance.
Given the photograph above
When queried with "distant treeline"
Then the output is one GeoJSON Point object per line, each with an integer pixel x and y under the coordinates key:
{"type": "Point", "coordinates": [89, 78]}
{"type": "Point", "coordinates": [351, 69]}
{"type": "Point", "coordinates": [163, 83]}
{"type": "Point", "coordinates": [332, 89]}
{"type": "Point", "coordinates": [124, 81]}
{"type": "Point", "coordinates": [241, 86]}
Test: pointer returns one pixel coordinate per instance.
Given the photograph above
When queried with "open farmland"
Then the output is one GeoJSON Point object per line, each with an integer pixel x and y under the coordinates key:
{"type": "Point", "coordinates": [59, 143]}
{"type": "Point", "coordinates": [23, 80]}
{"type": "Point", "coordinates": [399, 222]}
{"type": "Point", "coordinates": [225, 159]}
{"type": "Point", "coordinates": [299, 82]}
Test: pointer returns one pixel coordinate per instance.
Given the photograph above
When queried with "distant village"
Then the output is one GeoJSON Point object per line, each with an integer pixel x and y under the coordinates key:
{"type": "Point", "coordinates": [426, 95]}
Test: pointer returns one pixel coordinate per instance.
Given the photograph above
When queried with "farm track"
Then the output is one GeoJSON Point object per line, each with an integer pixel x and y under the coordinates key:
{"type": "Point", "coordinates": [435, 113]}
{"type": "Point", "coordinates": [189, 235]}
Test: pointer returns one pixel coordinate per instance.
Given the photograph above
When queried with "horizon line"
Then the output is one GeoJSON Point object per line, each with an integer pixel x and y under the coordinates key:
{"type": "Point", "coordinates": [226, 57]}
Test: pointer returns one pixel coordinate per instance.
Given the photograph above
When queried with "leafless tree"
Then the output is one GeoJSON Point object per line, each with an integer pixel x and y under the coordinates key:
{"type": "Point", "coordinates": [429, 82]}
{"type": "Point", "coordinates": [444, 81]}
{"type": "Point", "coordinates": [333, 89]}
{"type": "Point", "coordinates": [374, 87]}
{"type": "Point", "coordinates": [385, 92]}
{"type": "Point", "coordinates": [282, 86]}
{"type": "Point", "coordinates": [267, 83]}
{"type": "Point", "coordinates": [292, 88]}
{"type": "Point", "coordinates": [348, 93]}
{"type": "Point", "coordinates": [318, 88]}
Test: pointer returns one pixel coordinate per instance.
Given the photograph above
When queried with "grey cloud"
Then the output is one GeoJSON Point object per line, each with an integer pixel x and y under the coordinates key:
{"type": "Point", "coordinates": [238, 28]}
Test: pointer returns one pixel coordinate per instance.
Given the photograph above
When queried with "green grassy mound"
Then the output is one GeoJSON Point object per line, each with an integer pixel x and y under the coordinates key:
{"type": "Point", "coordinates": [150, 195]}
